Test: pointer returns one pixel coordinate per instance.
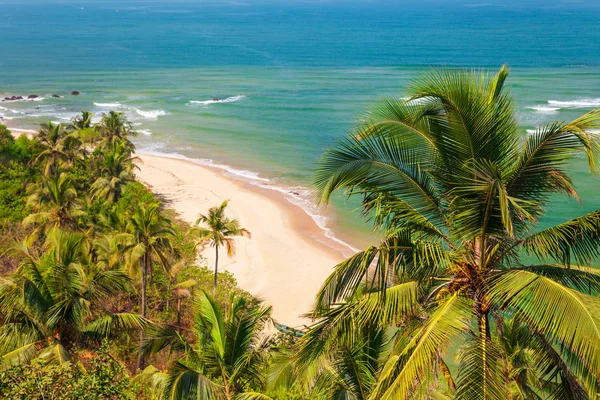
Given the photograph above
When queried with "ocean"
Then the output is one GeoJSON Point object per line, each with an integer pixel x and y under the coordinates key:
{"type": "Point", "coordinates": [260, 89]}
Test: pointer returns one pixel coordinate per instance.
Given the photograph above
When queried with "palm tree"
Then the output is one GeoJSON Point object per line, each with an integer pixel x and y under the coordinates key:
{"type": "Point", "coordinates": [457, 194]}
{"type": "Point", "coordinates": [148, 239]}
{"type": "Point", "coordinates": [83, 121]}
{"type": "Point", "coordinates": [116, 170]}
{"type": "Point", "coordinates": [219, 231]}
{"type": "Point", "coordinates": [229, 357]}
{"type": "Point", "coordinates": [58, 147]}
{"type": "Point", "coordinates": [53, 301]}
{"type": "Point", "coordinates": [54, 203]}
{"type": "Point", "coordinates": [345, 370]}
{"type": "Point", "coordinates": [113, 128]}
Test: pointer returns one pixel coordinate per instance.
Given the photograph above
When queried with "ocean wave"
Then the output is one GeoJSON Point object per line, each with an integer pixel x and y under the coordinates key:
{"type": "Point", "coordinates": [297, 195]}
{"type": "Point", "coordinates": [545, 108]}
{"type": "Point", "coordinates": [578, 103]}
{"type": "Point", "coordinates": [231, 99]}
{"type": "Point", "coordinates": [144, 131]}
{"type": "Point", "coordinates": [108, 105]}
{"type": "Point", "coordinates": [150, 114]}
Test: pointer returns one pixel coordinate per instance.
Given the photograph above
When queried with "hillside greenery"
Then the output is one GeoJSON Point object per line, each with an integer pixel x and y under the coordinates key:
{"type": "Point", "coordinates": [103, 294]}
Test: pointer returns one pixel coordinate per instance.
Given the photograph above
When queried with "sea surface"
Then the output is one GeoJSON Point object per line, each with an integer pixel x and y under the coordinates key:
{"type": "Point", "coordinates": [260, 89]}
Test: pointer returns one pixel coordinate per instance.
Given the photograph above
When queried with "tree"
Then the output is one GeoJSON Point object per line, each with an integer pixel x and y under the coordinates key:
{"type": "Point", "coordinates": [219, 231]}
{"type": "Point", "coordinates": [53, 301]}
{"type": "Point", "coordinates": [148, 239]}
{"type": "Point", "coordinates": [229, 357]}
{"type": "Point", "coordinates": [82, 121]}
{"type": "Point", "coordinates": [457, 195]}
{"type": "Point", "coordinates": [58, 146]}
{"type": "Point", "coordinates": [113, 128]}
{"type": "Point", "coordinates": [54, 203]}
{"type": "Point", "coordinates": [116, 170]}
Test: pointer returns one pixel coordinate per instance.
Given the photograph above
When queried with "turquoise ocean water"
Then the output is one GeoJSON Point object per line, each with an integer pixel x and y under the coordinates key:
{"type": "Point", "coordinates": [290, 77]}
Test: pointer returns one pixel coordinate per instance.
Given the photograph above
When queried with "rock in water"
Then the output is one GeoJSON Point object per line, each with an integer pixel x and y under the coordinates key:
{"type": "Point", "coordinates": [56, 96]}
{"type": "Point", "coordinates": [33, 96]}
{"type": "Point", "coordinates": [75, 93]}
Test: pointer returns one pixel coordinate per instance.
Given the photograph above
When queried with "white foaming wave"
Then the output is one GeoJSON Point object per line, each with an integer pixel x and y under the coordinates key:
{"type": "Point", "coordinates": [144, 131]}
{"type": "Point", "coordinates": [231, 99]}
{"type": "Point", "coordinates": [207, 163]}
{"type": "Point", "coordinates": [544, 108]}
{"type": "Point", "coordinates": [108, 105]}
{"type": "Point", "coordinates": [299, 196]}
{"type": "Point", "coordinates": [578, 103]}
{"type": "Point", "coordinates": [39, 98]}
{"type": "Point", "coordinates": [531, 131]}
{"type": "Point", "coordinates": [150, 114]}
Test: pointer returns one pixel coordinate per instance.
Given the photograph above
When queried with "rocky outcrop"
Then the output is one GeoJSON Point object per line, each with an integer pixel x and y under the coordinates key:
{"type": "Point", "coordinates": [13, 98]}
{"type": "Point", "coordinates": [75, 93]}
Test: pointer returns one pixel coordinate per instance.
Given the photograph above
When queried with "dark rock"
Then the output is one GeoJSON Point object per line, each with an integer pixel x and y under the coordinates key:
{"type": "Point", "coordinates": [33, 96]}
{"type": "Point", "coordinates": [56, 96]}
{"type": "Point", "coordinates": [19, 98]}
{"type": "Point", "coordinates": [75, 93]}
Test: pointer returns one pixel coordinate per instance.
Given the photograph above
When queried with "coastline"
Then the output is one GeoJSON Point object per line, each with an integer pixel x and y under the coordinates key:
{"type": "Point", "coordinates": [282, 264]}
{"type": "Point", "coordinates": [289, 255]}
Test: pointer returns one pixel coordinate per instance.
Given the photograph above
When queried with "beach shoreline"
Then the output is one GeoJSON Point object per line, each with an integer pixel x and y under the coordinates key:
{"type": "Point", "coordinates": [288, 257]}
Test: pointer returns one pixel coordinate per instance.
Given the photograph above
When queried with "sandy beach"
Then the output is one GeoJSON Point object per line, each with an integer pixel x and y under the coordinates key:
{"type": "Point", "coordinates": [282, 263]}
{"type": "Point", "coordinates": [288, 257]}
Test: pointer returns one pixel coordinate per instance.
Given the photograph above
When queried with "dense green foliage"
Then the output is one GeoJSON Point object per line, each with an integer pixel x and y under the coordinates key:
{"type": "Point", "coordinates": [90, 254]}
{"type": "Point", "coordinates": [102, 297]}
{"type": "Point", "coordinates": [457, 194]}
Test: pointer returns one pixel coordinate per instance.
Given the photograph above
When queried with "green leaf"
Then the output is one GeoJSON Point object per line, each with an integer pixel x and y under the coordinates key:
{"type": "Point", "coordinates": [402, 371]}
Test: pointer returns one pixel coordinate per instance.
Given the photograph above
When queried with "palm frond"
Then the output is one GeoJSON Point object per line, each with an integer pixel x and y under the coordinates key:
{"type": "Point", "coordinates": [402, 371]}
{"type": "Point", "coordinates": [577, 239]}
{"type": "Point", "coordinates": [560, 314]}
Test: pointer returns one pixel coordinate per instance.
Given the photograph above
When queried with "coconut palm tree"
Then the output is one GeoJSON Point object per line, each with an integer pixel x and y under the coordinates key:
{"type": "Point", "coordinates": [218, 231]}
{"type": "Point", "coordinates": [116, 170]}
{"type": "Point", "coordinates": [457, 194]}
{"type": "Point", "coordinates": [148, 240]}
{"type": "Point", "coordinates": [228, 358]}
{"type": "Point", "coordinates": [82, 121]}
{"type": "Point", "coordinates": [54, 203]}
{"type": "Point", "coordinates": [58, 145]}
{"type": "Point", "coordinates": [113, 128]}
{"type": "Point", "coordinates": [346, 370]}
{"type": "Point", "coordinates": [53, 301]}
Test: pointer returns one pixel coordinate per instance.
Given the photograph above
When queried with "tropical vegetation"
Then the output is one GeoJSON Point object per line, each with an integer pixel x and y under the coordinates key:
{"type": "Point", "coordinates": [470, 293]}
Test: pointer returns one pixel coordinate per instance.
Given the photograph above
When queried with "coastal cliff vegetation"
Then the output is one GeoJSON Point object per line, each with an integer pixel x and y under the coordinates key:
{"type": "Point", "coordinates": [468, 295]}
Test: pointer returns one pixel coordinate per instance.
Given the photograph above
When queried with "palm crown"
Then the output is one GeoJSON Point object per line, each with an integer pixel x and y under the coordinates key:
{"type": "Point", "coordinates": [53, 300]}
{"type": "Point", "coordinates": [457, 193]}
{"type": "Point", "coordinates": [218, 231]}
{"type": "Point", "coordinates": [231, 348]}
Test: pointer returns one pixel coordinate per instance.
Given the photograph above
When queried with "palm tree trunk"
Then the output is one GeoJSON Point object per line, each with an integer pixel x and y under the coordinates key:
{"type": "Point", "coordinates": [179, 315]}
{"type": "Point", "coordinates": [144, 260]}
{"type": "Point", "coordinates": [216, 270]}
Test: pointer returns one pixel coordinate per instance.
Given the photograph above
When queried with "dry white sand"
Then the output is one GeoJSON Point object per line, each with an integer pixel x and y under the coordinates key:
{"type": "Point", "coordinates": [282, 263]}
